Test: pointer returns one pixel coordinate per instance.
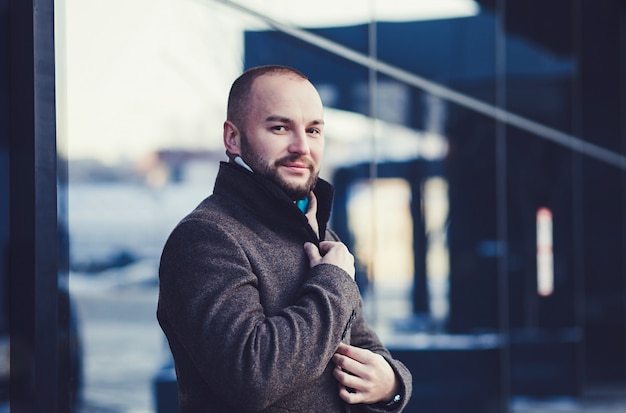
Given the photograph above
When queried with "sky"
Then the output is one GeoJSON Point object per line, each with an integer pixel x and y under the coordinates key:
{"type": "Point", "coordinates": [138, 75]}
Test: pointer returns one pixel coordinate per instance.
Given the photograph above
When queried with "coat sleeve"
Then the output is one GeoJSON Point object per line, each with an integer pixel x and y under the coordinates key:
{"type": "Point", "coordinates": [361, 335]}
{"type": "Point", "coordinates": [210, 310]}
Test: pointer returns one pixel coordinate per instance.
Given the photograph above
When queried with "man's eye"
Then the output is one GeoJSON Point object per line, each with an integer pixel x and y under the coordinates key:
{"type": "Point", "coordinates": [279, 128]}
{"type": "Point", "coordinates": [314, 131]}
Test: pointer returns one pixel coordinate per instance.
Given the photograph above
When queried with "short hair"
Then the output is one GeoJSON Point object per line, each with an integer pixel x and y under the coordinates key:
{"type": "Point", "coordinates": [240, 91]}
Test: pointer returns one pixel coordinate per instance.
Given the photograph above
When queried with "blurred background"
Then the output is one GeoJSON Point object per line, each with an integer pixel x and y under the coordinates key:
{"type": "Point", "coordinates": [477, 147]}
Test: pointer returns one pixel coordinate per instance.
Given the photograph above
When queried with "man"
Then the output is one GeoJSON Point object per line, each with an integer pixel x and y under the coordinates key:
{"type": "Point", "coordinates": [257, 297]}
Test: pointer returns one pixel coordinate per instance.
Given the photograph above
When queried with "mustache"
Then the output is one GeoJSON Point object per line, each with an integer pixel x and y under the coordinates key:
{"type": "Point", "coordinates": [295, 158]}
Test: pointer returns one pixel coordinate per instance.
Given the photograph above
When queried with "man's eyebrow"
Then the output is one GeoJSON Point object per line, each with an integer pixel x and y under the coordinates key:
{"type": "Point", "coordinates": [284, 119]}
{"type": "Point", "coordinates": [277, 118]}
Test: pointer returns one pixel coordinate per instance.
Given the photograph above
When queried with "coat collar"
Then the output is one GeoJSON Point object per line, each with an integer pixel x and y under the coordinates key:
{"type": "Point", "coordinates": [262, 197]}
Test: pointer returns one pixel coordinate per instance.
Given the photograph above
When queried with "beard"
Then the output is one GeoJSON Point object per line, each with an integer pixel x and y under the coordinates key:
{"type": "Point", "coordinates": [269, 170]}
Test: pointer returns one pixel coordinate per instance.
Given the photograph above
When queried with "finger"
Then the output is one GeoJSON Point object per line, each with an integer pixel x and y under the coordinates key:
{"type": "Point", "coordinates": [356, 353]}
{"type": "Point", "coordinates": [349, 386]}
{"type": "Point", "coordinates": [337, 253]}
{"type": "Point", "coordinates": [343, 348]}
{"type": "Point", "coordinates": [326, 246]}
{"type": "Point", "coordinates": [309, 247]}
{"type": "Point", "coordinates": [313, 253]}
{"type": "Point", "coordinates": [349, 365]}
{"type": "Point", "coordinates": [349, 396]}
{"type": "Point", "coordinates": [346, 378]}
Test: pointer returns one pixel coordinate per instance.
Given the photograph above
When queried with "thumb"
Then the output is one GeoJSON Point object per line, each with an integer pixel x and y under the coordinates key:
{"type": "Point", "coordinates": [313, 253]}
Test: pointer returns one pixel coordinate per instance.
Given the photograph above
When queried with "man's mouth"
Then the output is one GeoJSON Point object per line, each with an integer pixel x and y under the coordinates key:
{"type": "Point", "coordinates": [296, 165]}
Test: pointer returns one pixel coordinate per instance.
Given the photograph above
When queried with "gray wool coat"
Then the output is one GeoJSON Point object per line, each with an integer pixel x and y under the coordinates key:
{"type": "Point", "coordinates": [251, 327]}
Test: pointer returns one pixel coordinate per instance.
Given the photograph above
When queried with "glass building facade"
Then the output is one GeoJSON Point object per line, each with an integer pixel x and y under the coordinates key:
{"type": "Point", "coordinates": [479, 161]}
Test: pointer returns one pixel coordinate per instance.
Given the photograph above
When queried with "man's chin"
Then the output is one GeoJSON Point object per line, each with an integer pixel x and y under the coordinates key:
{"type": "Point", "coordinates": [296, 193]}
{"type": "Point", "coordinates": [296, 189]}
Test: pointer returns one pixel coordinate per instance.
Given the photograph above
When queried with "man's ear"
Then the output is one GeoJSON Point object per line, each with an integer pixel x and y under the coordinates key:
{"type": "Point", "coordinates": [232, 138]}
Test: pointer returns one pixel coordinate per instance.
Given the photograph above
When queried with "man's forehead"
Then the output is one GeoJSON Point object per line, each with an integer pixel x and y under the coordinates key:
{"type": "Point", "coordinates": [282, 95]}
{"type": "Point", "coordinates": [270, 81]}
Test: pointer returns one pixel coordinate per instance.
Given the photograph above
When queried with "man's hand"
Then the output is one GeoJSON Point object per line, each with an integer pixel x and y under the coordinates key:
{"type": "Point", "coordinates": [363, 376]}
{"type": "Point", "coordinates": [331, 252]}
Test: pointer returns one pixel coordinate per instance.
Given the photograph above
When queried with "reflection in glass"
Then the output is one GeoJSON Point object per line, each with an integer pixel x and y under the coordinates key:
{"type": "Point", "coordinates": [412, 151]}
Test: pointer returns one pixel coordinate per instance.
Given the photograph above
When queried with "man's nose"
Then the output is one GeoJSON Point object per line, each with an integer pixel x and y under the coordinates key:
{"type": "Point", "coordinates": [300, 143]}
